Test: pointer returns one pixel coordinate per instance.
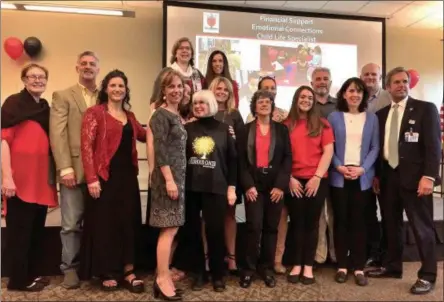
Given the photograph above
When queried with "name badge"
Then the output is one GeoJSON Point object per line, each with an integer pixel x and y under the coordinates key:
{"type": "Point", "coordinates": [411, 137]}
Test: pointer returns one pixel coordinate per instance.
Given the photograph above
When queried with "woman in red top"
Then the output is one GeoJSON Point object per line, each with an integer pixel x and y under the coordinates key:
{"type": "Point", "coordinates": [311, 140]}
{"type": "Point", "coordinates": [113, 212]}
{"type": "Point", "coordinates": [28, 183]}
{"type": "Point", "coordinates": [217, 65]}
{"type": "Point", "coordinates": [265, 166]}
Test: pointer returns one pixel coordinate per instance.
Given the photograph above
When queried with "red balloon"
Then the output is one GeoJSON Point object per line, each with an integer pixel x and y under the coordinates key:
{"type": "Point", "coordinates": [414, 77]}
{"type": "Point", "coordinates": [13, 47]}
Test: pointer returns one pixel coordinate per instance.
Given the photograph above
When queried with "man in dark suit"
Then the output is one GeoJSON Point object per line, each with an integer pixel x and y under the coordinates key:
{"type": "Point", "coordinates": [408, 168]}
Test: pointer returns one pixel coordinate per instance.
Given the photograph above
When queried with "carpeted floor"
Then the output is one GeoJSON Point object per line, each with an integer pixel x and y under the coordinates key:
{"type": "Point", "coordinates": [325, 289]}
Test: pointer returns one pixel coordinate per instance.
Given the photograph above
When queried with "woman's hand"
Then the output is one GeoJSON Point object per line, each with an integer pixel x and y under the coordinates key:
{"type": "Point", "coordinates": [94, 189]}
{"type": "Point", "coordinates": [296, 188]}
{"type": "Point", "coordinates": [172, 191]}
{"type": "Point", "coordinates": [276, 195]}
{"type": "Point", "coordinates": [231, 131]}
{"type": "Point", "coordinates": [251, 194]}
{"type": "Point", "coordinates": [231, 195]}
{"type": "Point", "coordinates": [355, 172]}
{"type": "Point", "coordinates": [8, 187]}
{"type": "Point", "coordinates": [312, 186]}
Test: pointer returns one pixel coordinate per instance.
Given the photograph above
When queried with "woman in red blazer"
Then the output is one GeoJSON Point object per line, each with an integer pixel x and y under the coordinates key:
{"type": "Point", "coordinates": [113, 212]}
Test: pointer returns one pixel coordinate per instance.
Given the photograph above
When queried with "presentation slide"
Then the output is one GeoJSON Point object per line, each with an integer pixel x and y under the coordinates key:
{"type": "Point", "coordinates": [286, 47]}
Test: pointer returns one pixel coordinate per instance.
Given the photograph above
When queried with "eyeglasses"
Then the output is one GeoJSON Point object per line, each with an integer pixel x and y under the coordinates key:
{"type": "Point", "coordinates": [36, 77]}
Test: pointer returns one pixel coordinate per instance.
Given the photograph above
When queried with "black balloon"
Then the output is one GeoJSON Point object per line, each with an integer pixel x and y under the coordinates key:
{"type": "Point", "coordinates": [32, 46]}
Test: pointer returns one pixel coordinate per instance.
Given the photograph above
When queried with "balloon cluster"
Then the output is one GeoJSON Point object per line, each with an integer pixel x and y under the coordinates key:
{"type": "Point", "coordinates": [14, 47]}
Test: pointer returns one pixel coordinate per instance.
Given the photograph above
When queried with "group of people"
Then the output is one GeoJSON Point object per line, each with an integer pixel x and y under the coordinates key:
{"type": "Point", "coordinates": [325, 158]}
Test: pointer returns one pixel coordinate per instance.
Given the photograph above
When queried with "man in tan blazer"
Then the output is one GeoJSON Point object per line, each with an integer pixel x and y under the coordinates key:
{"type": "Point", "coordinates": [66, 115]}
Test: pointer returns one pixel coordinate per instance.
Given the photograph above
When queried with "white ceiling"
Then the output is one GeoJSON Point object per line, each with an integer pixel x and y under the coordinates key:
{"type": "Point", "coordinates": [414, 14]}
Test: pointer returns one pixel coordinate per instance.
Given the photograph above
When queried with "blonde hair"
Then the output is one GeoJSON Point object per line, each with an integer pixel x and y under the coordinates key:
{"type": "Point", "coordinates": [208, 97]}
{"type": "Point", "coordinates": [231, 104]}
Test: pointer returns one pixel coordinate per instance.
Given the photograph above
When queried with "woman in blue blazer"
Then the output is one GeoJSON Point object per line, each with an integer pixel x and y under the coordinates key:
{"type": "Point", "coordinates": [353, 168]}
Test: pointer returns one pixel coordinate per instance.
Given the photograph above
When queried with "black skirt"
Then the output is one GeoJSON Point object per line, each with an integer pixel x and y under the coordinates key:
{"type": "Point", "coordinates": [112, 222]}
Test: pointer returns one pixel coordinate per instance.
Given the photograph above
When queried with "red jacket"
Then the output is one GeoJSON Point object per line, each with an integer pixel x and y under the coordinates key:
{"type": "Point", "coordinates": [100, 139]}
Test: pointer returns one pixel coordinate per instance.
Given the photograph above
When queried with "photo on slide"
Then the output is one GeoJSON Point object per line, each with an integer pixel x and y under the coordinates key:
{"type": "Point", "coordinates": [207, 44]}
{"type": "Point", "coordinates": [291, 66]}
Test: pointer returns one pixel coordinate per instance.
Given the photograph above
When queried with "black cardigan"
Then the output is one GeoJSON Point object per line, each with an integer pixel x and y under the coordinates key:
{"type": "Point", "coordinates": [211, 157]}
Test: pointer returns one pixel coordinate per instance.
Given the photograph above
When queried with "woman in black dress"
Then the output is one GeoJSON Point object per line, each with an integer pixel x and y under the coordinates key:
{"type": "Point", "coordinates": [112, 209]}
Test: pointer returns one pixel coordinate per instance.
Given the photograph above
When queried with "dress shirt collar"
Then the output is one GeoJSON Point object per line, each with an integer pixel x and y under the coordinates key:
{"type": "Point", "coordinates": [402, 103]}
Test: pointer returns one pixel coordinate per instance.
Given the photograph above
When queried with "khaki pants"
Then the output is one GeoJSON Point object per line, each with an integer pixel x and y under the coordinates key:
{"type": "Point", "coordinates": [282, 235]}
{"type": "Point", "coordinates": [326, 220]}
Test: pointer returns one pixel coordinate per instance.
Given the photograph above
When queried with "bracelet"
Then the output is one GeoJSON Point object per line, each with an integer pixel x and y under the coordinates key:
{"type": "Point", "coordinates": [317, 176]}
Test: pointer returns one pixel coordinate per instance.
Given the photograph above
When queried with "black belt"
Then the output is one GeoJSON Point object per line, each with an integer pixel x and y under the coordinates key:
{"type": "Point", "coordinates": [263, 170]}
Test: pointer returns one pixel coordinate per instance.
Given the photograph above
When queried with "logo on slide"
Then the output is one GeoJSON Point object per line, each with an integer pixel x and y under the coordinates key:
{"type": "Point", "coordinates": [211, 23]}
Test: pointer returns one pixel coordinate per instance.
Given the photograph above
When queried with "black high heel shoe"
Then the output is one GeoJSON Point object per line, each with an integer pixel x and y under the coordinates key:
{"type": "Point", "coordinates": [157, 293]}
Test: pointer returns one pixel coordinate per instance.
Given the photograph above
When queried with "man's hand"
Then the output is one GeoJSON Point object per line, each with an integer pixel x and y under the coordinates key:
{"type": "Point", "coordinates": [69, 180]}
{"type": "Point", "coordinates": [425, 186]}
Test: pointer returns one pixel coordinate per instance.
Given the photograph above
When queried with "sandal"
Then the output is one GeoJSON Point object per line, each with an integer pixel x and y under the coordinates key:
{"type": "Point", "coordinates": [134, 285]}
{"type": "Point", "coordinates": [43, 280]}
{"type": "Point", "coordinates": [109, 288]}
{"type": "Point", "coordinates": [33, 287]}
{"type": "Point", "coordinates": [233, 272]}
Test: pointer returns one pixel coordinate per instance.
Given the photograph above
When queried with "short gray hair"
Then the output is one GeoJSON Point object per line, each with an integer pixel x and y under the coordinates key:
{"type": "Point", "coordinates": [394, 71]}
{"type": "Point", "coordinates": [209, 98]}
{"type": "Point", "coordinates": [87, 53]}
{"type": "Point", "coordinates": [319, 69]}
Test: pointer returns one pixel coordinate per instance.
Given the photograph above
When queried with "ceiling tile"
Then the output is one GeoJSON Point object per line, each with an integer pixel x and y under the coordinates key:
{"type": "Point", "coordinates": [344, 6]}
{"type": "Point", "coordinates": [274, 4]}
{"type": "Point", "coordinates": [305, 5]}
{"type": "Point", "coordinates": [383, 8]}
{"type": "Point", "coordinates": [241, 2]}
{"type": "Point", "coordinates": [412, 13]}
{"type": "Point", "coordinates": [431, 21]}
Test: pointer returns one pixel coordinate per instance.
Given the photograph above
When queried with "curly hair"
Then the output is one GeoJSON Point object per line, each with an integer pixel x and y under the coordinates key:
{"type": "Point", "coordinates": [103, 95]}
{"type": "Point", "coordinates": [261, 94]}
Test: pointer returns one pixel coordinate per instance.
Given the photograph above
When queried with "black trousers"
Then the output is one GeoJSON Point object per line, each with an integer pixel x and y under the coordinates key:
{"type": "Point", "coordinates": [376, 233]}
{"type": "Point", "coordinates": [349, 209]}
{"type": "Point", "coordinates": [304, 223]}
{"type": "Point", "coordinates": [25, 223]}
{"type": "Point", "coordinates": [263, 217]}
{"type": "Point", "coordinates": [189, 255]}
{"type": "Point", "coordinates": [419, 211]}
